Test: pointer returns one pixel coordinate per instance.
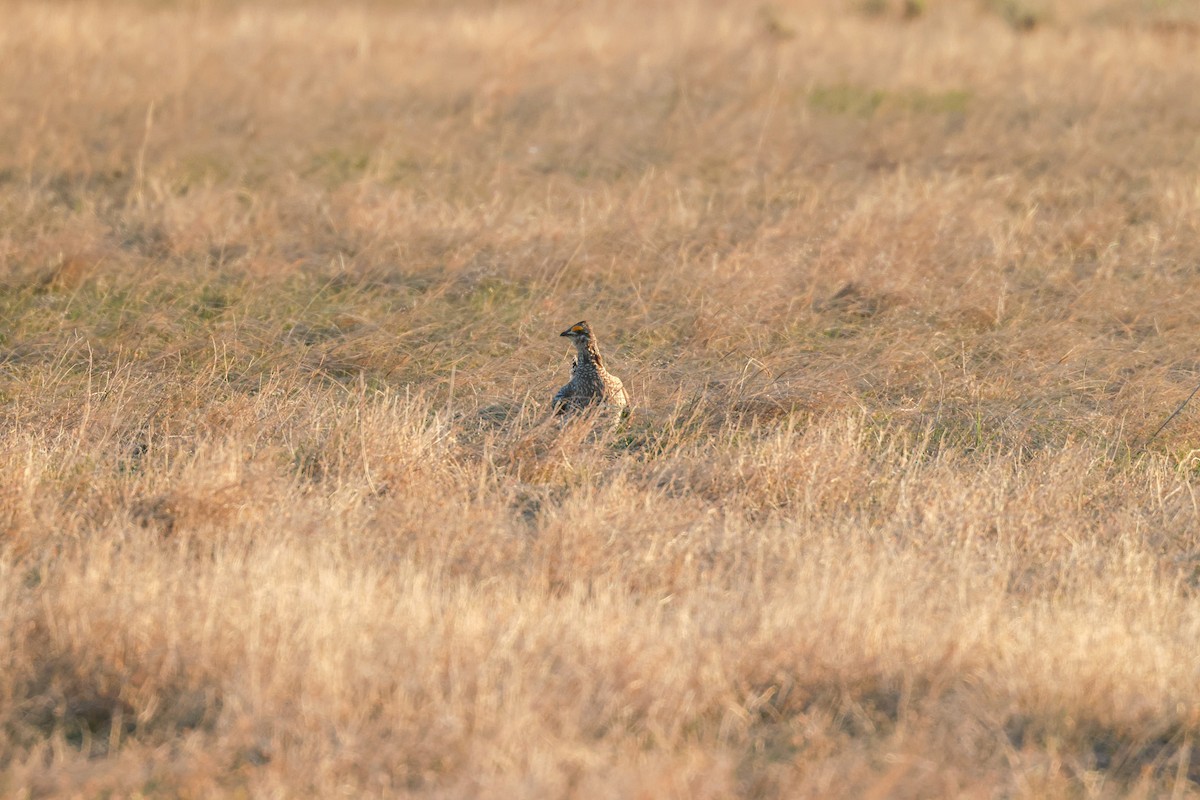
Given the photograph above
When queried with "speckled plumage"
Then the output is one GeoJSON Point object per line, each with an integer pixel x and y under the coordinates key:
{"type": "Point", "coordinates": [591, 383]}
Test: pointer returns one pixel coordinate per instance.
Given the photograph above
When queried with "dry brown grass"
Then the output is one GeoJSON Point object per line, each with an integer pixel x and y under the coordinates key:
{"type": "Point", "coordinates": [899, 290]}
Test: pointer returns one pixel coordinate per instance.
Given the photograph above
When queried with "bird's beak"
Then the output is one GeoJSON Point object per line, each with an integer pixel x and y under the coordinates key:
{"type": "Point", "coordinates": [566, 333]}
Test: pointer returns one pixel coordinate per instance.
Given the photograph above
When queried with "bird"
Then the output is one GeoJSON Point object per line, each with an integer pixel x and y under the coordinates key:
{"type": "Point", "coordinates": [591, 384]}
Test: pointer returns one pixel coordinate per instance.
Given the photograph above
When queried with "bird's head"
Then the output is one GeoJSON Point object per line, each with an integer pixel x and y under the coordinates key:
{"type": "Point", "coordinates": [579, 332]}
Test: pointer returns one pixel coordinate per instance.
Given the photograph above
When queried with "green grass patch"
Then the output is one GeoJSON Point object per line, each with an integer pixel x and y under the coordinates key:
{"type": "Point", "coordinates": [863, 101]}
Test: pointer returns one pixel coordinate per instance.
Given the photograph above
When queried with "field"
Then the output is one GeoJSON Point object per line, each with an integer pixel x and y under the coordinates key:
{"type": "Point", "coordinates": [901, 292]}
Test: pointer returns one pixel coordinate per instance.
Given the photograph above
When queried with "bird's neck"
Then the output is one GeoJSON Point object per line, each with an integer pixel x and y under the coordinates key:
{"type": "Point", "coordinates": [588, 351]}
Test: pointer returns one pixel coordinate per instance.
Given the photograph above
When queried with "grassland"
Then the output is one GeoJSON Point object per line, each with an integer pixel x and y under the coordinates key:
{"type": "Point", "coordinates": [899, 291]}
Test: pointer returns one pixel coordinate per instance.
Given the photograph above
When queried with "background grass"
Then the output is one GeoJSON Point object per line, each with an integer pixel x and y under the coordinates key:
{"type": "Point", "coordinates": [898, 290]}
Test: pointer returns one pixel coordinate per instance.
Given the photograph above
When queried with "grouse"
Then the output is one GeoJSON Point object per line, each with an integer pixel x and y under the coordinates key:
{"type": "Point", "coordinates": [591, 383]}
